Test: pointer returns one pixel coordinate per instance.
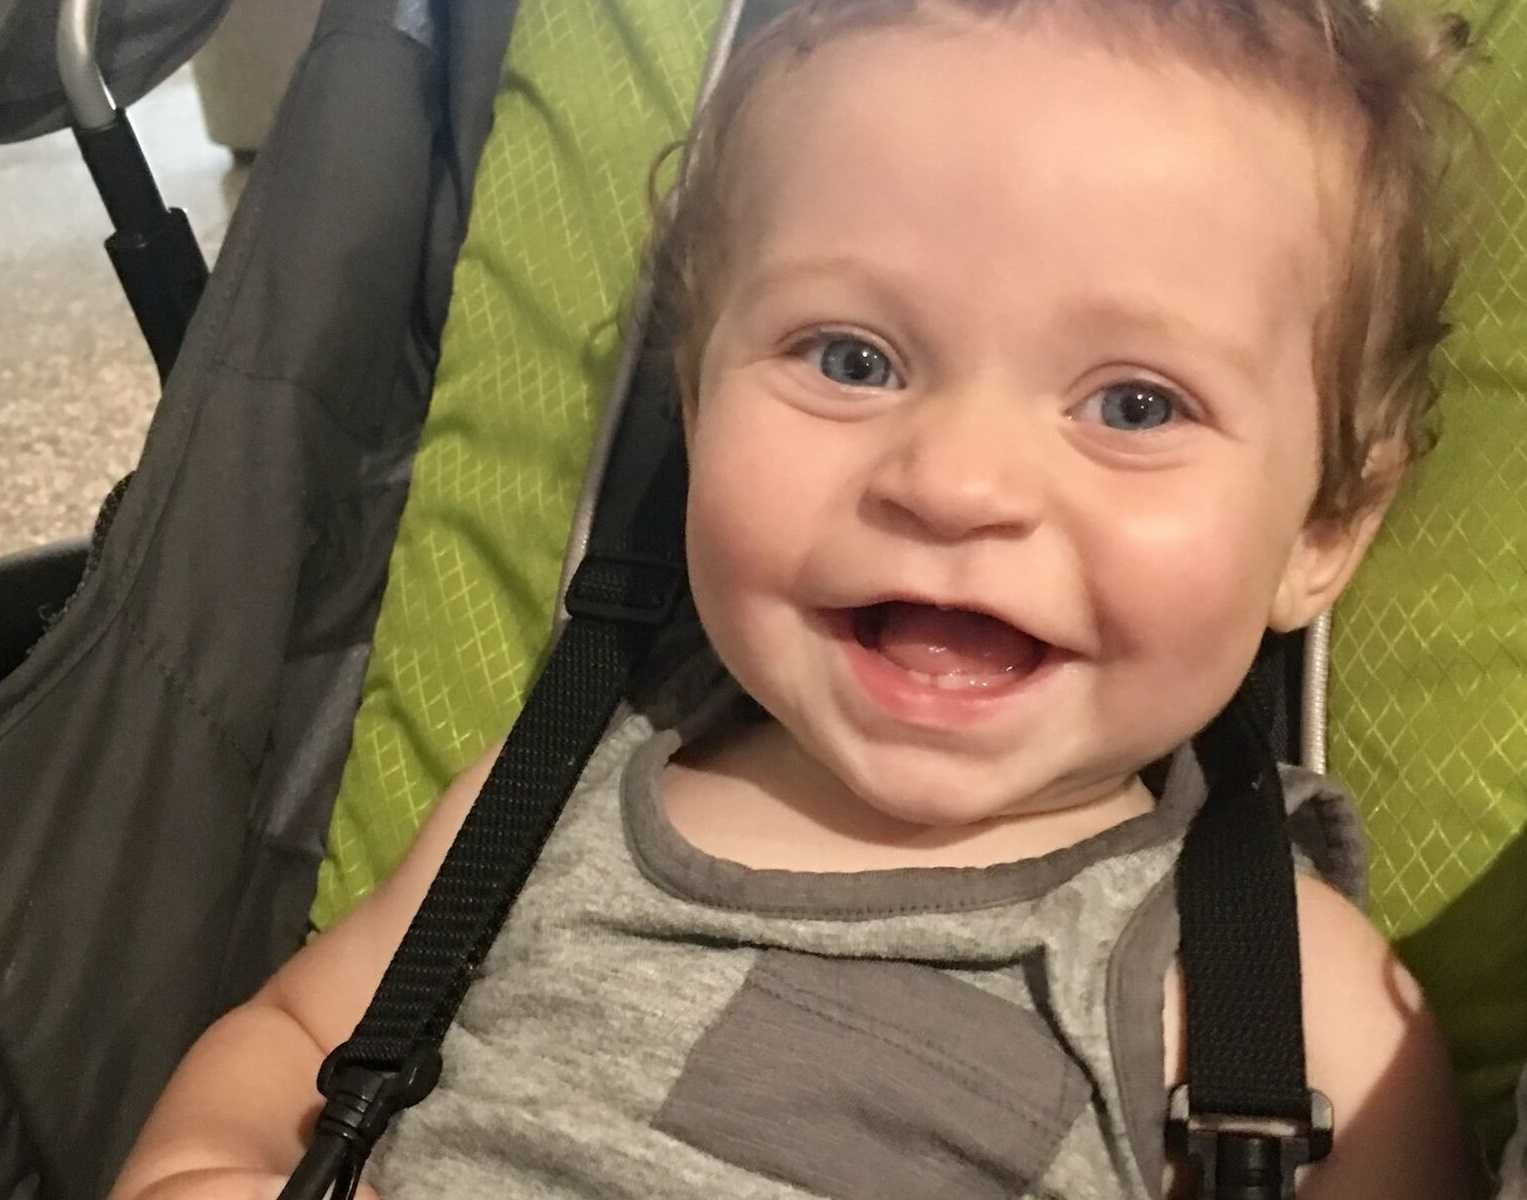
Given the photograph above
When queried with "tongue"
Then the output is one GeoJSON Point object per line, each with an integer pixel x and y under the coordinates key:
{"type": "Point", "coordinates": [947, 641]}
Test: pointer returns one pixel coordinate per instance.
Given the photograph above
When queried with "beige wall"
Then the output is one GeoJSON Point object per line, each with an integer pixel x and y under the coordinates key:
{"type": "Point", "coordinates": [243, 71]}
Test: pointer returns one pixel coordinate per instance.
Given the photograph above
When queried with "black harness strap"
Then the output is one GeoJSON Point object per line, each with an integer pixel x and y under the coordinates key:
{"type": "Point", "coordinates": [1246, 1115]}
{"type": "Point", "coordinates": [614, 602]}
{"type": "Point", "coordinates": [623, 592]}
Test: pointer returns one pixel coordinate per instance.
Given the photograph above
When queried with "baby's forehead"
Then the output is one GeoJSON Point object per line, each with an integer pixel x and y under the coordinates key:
{"type": "Point", "coordinates": [894, 142]}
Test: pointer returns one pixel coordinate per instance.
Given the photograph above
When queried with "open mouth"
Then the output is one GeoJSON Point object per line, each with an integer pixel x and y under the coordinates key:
{"type": "Point", "coordinates": [952, 649]}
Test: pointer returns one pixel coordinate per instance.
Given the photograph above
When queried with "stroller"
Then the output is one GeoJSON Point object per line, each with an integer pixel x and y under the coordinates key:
{"type": "Point", "coordinates": [171, 750]}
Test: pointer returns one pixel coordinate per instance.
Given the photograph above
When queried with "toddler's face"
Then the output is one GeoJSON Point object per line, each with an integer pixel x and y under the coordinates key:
{"type": "Point", "coordinates": [1007, 429]}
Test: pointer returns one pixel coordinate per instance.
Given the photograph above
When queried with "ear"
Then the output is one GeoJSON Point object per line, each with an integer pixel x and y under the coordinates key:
{"type": "Point", "coordinates": [1324, 558]}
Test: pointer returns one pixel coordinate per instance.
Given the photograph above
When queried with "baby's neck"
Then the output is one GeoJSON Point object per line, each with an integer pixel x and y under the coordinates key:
{"type": "Point", "coordinates": [755, 799]}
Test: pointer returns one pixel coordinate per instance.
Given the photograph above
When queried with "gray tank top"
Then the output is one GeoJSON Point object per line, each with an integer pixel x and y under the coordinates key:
{"type": "Point", "coordinates": [655, 1022]}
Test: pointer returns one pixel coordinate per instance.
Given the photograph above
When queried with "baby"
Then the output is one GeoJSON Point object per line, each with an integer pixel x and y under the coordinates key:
{"type": "Point", "coordinates": [1036, 359]}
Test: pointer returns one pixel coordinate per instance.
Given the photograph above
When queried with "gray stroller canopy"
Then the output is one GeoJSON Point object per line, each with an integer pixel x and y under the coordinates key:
{"type": "Point", "coordinates": [139, 43]}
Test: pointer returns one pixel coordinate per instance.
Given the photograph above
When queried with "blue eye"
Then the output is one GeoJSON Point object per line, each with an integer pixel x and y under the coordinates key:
{"type": "Point", "coordinates": [1136, 406]}
{"type": "Point", "coordinates": [853, 362]}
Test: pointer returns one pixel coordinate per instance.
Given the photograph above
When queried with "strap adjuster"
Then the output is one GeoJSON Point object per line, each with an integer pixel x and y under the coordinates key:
{"type": "Point", "coordinates": [636, 589]}
{"type": "Point", "coordinates": [362, 1099]}
{"type": "Point", "coordinates": [1247, 1158]}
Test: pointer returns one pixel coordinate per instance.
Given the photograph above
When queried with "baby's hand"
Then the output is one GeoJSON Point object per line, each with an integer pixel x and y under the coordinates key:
{"type": "Point", "coordinates": [227, 1184]}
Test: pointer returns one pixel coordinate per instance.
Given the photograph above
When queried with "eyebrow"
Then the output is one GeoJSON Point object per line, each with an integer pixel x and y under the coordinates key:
{"type": "Point", "coordinates": [784, 272]}
{"type": "Point", "coordinates": [1229, 344]}
{"type": "Point", "coordinates": [868, 284]}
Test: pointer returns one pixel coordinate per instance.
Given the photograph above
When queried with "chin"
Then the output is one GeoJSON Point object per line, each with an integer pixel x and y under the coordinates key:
{"type": "Point", "coordinates": [936, 807]}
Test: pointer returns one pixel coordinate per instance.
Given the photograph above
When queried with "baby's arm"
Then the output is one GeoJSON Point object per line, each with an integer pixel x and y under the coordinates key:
{"type": "Point", "coordinates": [1372, 1048]}
{"type": "Point", "coordinates": [232, 1122]}
{"type": "Point", "coordinates": [1375, 1051]}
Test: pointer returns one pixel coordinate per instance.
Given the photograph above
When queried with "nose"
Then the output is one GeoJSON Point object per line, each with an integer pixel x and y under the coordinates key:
{"type": "Point", "coordinates": [958, 465]}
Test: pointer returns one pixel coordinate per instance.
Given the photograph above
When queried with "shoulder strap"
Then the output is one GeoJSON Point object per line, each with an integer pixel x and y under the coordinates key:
{"type": "Point", "coordinates": [618, 598]}
{"type": "Point", "coordinates": [1246, 1115]}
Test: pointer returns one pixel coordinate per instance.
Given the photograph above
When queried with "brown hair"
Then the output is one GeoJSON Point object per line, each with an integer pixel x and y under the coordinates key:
{"type": "Point", "coordinates": [1373, 348]}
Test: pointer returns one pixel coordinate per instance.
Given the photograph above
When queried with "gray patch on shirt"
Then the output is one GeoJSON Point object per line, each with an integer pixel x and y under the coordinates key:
{"type": "Point", "coordinates": [860, 1079]}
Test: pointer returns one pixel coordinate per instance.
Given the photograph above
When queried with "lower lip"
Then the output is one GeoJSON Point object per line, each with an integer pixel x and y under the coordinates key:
{"type": "Point", "coordinates": [907, 698]}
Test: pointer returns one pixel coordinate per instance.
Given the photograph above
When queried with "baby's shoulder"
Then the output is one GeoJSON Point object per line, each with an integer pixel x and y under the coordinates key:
{"type": "Point", "coordinates": [1372, 1047]}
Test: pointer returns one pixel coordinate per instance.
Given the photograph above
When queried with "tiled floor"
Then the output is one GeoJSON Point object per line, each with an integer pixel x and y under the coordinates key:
{"type": "Point", "coordinates": [77, 386]}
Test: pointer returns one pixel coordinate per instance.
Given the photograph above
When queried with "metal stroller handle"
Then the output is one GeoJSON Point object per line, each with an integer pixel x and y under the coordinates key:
{"type": "Point", "coordinates": [155, 254]}
{"type": "Point", "coordinates": [89, 101]}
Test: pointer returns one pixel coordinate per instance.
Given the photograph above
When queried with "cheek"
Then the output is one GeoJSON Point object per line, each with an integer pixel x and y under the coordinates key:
{"type": "Point", "coordinates": [716, 581]}
{"type": "Point", "coordinates": [763, 481]}
{"type": "Point", "coordinates": [741, 533]}
{"type": "Point", "coordinates": [716, 544]}
{"type": "Point", "coordinates": [1194, 583]}
{"type": "Point", "coordinates": [706, 540]}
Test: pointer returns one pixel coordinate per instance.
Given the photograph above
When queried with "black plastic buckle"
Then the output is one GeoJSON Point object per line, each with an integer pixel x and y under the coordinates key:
{"type": "Point", "coordinates": [635, 589]}
{"type": "Point", "coordinates": [361, 1100]}
{"type": "Point", "coordinates": [1247, 1158]}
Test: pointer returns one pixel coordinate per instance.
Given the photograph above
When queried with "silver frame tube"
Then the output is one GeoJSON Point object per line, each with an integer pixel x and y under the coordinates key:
{"type": "Point", "coordinates": [89, 102]}
{"type": "Point", "coordinates": [1317, 675]}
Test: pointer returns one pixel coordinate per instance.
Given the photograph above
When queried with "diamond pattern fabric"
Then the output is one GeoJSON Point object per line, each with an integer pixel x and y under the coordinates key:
{"type": "Point", "coordinates": [1428, 702]}
{"type": "Point", "coordinates": [592, 90]}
